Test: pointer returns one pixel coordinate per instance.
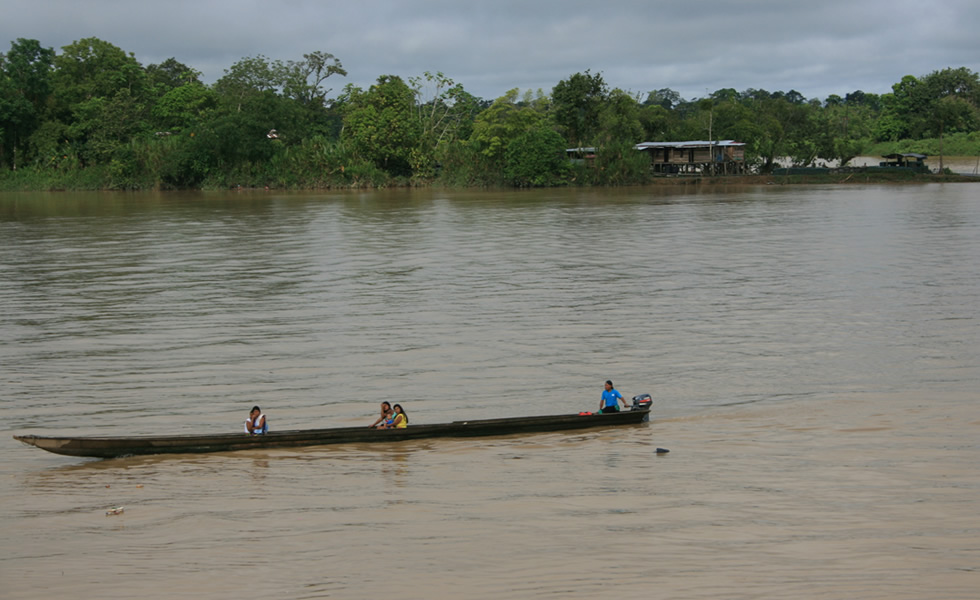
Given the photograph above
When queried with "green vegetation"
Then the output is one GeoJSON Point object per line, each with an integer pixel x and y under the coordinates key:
{"type": "Point", "coordinates": [92, 117]}
{"type": "Point", "coordinates": [956, 144]}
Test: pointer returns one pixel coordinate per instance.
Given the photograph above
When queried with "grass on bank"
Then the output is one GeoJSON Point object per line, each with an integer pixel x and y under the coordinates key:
{"type": "Point", "coordinates": [953, 145]}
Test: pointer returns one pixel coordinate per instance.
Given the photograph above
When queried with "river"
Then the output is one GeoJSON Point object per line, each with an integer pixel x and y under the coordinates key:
{"type": "Point", "coordinates": [813, 352]}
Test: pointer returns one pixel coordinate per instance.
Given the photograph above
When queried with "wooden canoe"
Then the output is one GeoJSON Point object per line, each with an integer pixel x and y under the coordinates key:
{"type": "Point", "coordinates": [111, 447]}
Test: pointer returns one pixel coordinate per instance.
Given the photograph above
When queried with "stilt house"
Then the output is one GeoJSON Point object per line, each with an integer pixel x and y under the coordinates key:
{"type": "Point", "coordinates": [720, 157]}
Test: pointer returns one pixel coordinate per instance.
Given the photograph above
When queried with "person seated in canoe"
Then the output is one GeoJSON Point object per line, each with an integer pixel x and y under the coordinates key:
{"type": "Point", "coordinates": [610, 399]}
{"type": "Point", "coordinates": [256, 423]}
{"type": "Point", "coordinates": [386, 414]}
{"type": "Point", "coordinates": [398, 420]}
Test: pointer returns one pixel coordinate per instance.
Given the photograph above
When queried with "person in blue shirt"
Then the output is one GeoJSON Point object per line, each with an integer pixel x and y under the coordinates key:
{"type": "Point", "coordinates": [610, 399]}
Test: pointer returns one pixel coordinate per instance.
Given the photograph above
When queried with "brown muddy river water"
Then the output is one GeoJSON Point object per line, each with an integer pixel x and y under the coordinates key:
{"type": "Point", "coordinates": [813, 352]}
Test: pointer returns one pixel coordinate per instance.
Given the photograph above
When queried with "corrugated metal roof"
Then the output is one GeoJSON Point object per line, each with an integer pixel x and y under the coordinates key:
{"type": "Point", "coordinates": [687, 144]}
{"type": "Point", "coordinates": [906, 155]}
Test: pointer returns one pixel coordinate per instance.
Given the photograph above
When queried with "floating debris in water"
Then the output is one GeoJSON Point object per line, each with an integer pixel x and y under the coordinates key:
{"type": "Point", "coordinates": [115, 511]}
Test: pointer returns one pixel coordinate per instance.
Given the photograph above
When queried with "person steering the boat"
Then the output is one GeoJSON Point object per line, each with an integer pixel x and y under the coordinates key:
{"type": "Point", "coordinates": [256, 423]}
{"type": "Point", "coordinates": [610, 399]}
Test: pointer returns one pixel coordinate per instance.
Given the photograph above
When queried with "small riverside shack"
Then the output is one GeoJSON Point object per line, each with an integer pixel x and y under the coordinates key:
{"type": "Point", "coordinates": [720, 157]}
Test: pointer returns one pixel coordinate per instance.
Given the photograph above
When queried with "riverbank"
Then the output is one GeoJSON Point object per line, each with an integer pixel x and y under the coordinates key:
{"type": "Point", "coordinates": [831, 177]}
{"type": "Point", "coordinates": [35, 182]}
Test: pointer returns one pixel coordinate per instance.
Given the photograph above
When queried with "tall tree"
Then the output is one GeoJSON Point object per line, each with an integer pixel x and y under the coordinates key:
{"type": "Point", "coordinates": [952, 97]}
{"type": "Point", "coordinates": [182, 107]}
{"type": "Point", "coordinates": [93, 68]}
{"type": "Point", "coordinates": [665, 98]}
{"type": "Point", "coordinates": [250, 76]}
{"type": "Point", "coordinates": [303, 80]}
{"type": "Point", "coordinates": [381, 125]}
{"type": "Point", "coordinates": [444, 109]}
{"type": "Point", "coordinates": [256, 80]}
{"type": "Point", "coordinates": [619, 131]}
{"type": "Point", "coordinates": [505, 120]}
{"type": "Point", "coordinates": [445, 113]}
{"type": "Point", "coordinates": [902, 110]}
{"type": "Point", "coordinates": [25, 84]}
{"type": "Point", "coordinates": [860, 98]}
{"type": "Point", "coordinates": [845, 126]}
{"type": "Point", "coordinates": [170, 74]}
{"type": "Point", "coordinates": [619, 120]}
{"type": "Point", "coordinates": [99, 93]}
{"type": "Point", "coordinates": [536, 158]}
{"type": "Point", "coordinates": [577, 102]}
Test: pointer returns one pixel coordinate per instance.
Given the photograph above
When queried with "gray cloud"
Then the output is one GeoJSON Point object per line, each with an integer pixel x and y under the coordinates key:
{"type": "Point", "coordinates": [815, 48]}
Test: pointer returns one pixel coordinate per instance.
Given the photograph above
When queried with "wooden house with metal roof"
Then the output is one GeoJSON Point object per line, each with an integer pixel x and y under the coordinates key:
{"type": "Point", "coordinates": [719, 157]}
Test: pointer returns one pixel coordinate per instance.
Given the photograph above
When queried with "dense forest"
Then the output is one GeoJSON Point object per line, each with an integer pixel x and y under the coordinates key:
{"type": "Point", "coordinates": [92, 117]}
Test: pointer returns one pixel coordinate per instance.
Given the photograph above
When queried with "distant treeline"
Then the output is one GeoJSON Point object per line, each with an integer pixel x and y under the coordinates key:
{"type": "Point", "coordinates": [93, 117]}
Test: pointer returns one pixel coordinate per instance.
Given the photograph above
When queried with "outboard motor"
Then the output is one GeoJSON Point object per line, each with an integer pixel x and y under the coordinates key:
{"type": "Point", "coordinates": [642, 402]}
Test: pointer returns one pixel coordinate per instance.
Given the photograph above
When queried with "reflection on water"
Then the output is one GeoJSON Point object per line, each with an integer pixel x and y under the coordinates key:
{"type": "Point", "coordinates": [813, 353]}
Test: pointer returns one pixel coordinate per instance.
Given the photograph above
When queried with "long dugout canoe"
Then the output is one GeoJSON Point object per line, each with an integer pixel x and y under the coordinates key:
{"type": "Point", "coordinates": [112, 447]}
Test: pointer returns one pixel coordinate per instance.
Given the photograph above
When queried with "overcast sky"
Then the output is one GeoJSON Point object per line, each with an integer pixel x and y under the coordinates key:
{"type": "Point", "coordinates": [492, 46]}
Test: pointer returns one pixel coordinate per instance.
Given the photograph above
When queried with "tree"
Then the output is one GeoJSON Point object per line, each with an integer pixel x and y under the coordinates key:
{"type": "Point", "coordinates": [802, 127]}
{"type": "Point", "coordinates": [765, 138]}
{"type": "Point", "coordinates": [665, 98]}
{"type": "Point", "coordinates": [844, 126]}
{"type": "Point", "coordinates": [902, 110]}
{"type": "Point", "coordinates": [100, 96]}
{"type": "Point", "coordinates": [170, 74]}
{"type": "Point", "coordinates": [658, 123]}
{"type": "Point", "coordinates": [960, 82]}
{"type": "Point", "coordinates": [380, 123]}
{"type": "Point", "coordinates": [951, 100]}
{"type": "Point", "coordinates": [859, 98]}
{"type": "Point", "coordinates": [833, 100]}
{"type": "Point", "coordinates": [617, 160]}
{"type": "Point", "coordinates": [725, 95]}
{"type": "Point", "coordinates": [736, 120]}
{"type": "Point", "coordinates": [303, 80]}
{"type": "Point", "coordinates": [300, 83]}
{"type": "Point", "coordinates": [91, 68]}
{"type": "Point", "coordinates": [576, 103]}
{"type": "Point", "coordinates": [108, 123]}
{"type": "Point", "coordinates": [250, 76]}
{"type": "Point", "coordinates": [792, 96]}
{"type": "Point", "coordinates": [619, 120]}
{"type": "Point", "coordinates": [536, 158]}
{"type": "Point", "coordinates": [25, 84]}
{"type": "Point", "coordinates": [950, 113]}
{"type": "Point", "coordinates": [498, 125]}
{"type": "Point", "coordinates": [445, 113]}
{"type": "Point", "coordinates": [182, 107]}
